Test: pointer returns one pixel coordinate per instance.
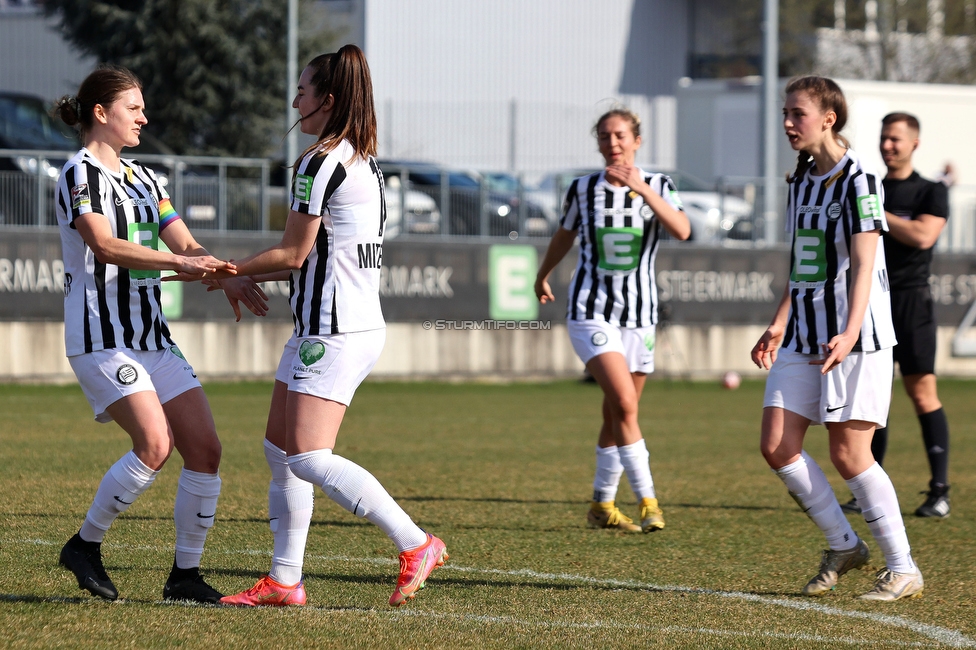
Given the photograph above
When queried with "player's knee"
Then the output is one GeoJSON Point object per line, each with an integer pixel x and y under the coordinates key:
{"type": "Point", "coordinates": [210, 455]}
{"type": "Point", "coordinates": [205, 454]}
{"type": "Point", "coordinates": [775, 456]}
{"type": "Point", "coordinates": [623, 407]}
{"type": "Point", "coordinates": [846, 460]}
{"type": "Point", "coordinates": [155, 451]}
{"type": "Point", "coordinates": [776, 453]}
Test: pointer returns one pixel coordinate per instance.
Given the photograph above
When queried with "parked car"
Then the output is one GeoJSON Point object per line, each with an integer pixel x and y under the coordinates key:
{"type": "Point", "coordinates": [26, 124]}
{"type": "Point", "coordinates": [421, 215]}
{"type": "Point", "coordinates": [714, 217]}
{"type": "Point", "coordinates": [540, 218]}
{"type": "Point", "coordinates": [471, 203]}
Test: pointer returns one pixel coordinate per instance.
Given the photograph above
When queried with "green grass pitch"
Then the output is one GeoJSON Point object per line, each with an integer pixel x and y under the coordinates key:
{"type": "Point", "coordinates": [502, 473]}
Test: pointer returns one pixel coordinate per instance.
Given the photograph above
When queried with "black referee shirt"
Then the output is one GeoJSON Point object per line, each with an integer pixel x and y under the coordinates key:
{"type": "Point", "coordinates": [909, 266]}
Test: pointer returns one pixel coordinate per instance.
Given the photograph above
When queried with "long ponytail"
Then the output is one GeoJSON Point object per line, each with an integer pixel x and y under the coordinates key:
{"type": "Point", "coordinates": [345, 75]}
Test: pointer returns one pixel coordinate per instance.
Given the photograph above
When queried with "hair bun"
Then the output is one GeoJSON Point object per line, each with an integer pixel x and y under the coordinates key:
{"type": "Point", "coordinates": [68, 108]}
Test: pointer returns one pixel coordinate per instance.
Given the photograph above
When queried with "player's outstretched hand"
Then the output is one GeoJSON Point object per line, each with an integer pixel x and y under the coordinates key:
{"type": "Point", "coordinates": [765, 351]}
{"type": "Point", "coordinates": [542, 291]}
{"type": "Point", "coordinates": [834, 352]}
{"type": "Point", "coordinates": [241, 290]}
{"type": "Point", "coordinates": [201, 267]}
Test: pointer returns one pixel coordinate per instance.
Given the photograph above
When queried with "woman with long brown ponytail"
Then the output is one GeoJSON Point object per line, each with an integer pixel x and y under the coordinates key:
{"type": "Point", "coordinates": [331, 248]}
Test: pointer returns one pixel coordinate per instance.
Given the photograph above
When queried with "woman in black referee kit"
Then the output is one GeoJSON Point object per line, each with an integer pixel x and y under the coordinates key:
{"type": "Point", "coordinates": [917, 211]}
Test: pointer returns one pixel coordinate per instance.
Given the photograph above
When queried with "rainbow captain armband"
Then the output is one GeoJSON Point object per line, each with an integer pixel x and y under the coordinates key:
{"type": "Point", "coordinates": [167, 214]}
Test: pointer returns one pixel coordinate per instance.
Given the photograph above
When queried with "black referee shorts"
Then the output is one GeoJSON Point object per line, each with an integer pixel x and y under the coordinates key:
{"type": "Point", "coordinates": [913, 313]}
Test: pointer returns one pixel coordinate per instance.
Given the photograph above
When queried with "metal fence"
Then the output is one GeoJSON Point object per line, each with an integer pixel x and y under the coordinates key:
{"type": "Point", "coordinates": [213, 193]}
{"type": "Point", "coordinates": [426, 200]}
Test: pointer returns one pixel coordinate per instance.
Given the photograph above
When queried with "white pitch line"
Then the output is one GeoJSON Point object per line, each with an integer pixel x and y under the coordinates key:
{"type": "Point", "coordinates": [939, 634]}
{"type": "Point", "coordinates": [668, 629]}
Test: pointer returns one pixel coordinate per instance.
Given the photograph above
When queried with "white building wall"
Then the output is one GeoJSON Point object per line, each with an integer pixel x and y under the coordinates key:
{"type": "Point", "coordinates": [33, 351]}
{"type": "Point", "coordinates": [718, 135]}
{"type": "Point", "coordinates": [514, 85]}
{"type": "Point", "coordinates": [35, 60]}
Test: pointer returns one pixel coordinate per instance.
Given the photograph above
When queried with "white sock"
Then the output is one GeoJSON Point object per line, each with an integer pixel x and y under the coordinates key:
{"type": "Point", "coordinates": [196, 506]}
{"type": "Point", "coordinates": [608, 472]}
{"type": "Point", "coordinates": [121, 485]}
{"type": "Point", "coordinates": [634, 458]}
{"type": "Point", "coordinates": [879, 505]}
{"type": "Point", "coordinates": [809, 487]}
{"type": "Point", "coordinates": [358, 491]}
{"type": "Point", "coordinates": [290, 501]}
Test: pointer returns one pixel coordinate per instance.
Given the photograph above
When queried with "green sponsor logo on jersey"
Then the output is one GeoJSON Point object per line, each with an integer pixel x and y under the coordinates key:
{"type": "Point", "coordinates": [673, 195]}
{"type": "Point", "coordinates": [303, 187]}
{"type": "Point", "coordinates": [144, 234]}
{"type": "Point", "coordinates": [868, 207]}
{"type": "Point", "coordinates": [810, 256]}
{"type": "Point", "coordinates": [618, 249]}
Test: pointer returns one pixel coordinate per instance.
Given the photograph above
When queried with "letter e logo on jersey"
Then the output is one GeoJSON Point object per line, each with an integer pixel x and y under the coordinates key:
{"type": "Point", "coordinates": [303, 188]}
{"type": "Point", "coordinates": [619, 248]}
{"type": "Point", "coordinates": [868, 207]}
{"type": "Point", "coordinates": [126, 374]}
{"type": "Point", "coordinates": [675, 199]}
{"type": "Point", "coordinates": [810, 256]}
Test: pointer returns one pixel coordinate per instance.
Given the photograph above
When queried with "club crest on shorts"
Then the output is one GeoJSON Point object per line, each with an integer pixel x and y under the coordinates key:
{"type": "Point", "coordinates": [175, 350]}
{"type": "Point", "coordinates": [834, 210]}
{"type": "Point", "coordinates": [127, 374]}
{"type": "Point", "coordinates": [599, 338]}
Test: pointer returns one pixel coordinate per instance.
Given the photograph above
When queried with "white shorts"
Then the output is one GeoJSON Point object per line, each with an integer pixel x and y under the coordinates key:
{"type": "Point", "coordinates": [330, 367]}
{"type": "Point", "coordinates": [858, 389]}
{"type": "Point", "coordinates": [594, 337]}
{"type": "Point", "coordinates": [106, 376]}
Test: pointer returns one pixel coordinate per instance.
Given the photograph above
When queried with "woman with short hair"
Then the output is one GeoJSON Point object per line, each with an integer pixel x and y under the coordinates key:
{"type": "Point", "coordinates": [113, 213]}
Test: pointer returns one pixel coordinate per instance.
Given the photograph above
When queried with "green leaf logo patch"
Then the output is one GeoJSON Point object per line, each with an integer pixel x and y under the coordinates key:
{"type": "Point", "coordinates": [311, 352]}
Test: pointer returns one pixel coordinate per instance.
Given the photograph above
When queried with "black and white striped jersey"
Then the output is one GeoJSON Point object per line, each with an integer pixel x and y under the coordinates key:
{"type": "Point", "coordinates": [823, 214]}
{"type": "Point", "coordinates": [337, 288]}
{"type": "Point", "coordinates": [618, 235]}
{"type": "Point", "coordinates": [107, 306]}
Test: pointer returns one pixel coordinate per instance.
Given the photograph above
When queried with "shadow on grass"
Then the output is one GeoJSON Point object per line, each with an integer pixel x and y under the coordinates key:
{"type": "Point", "coordinates": [704, 506]}
{"type": "Point", "coordinates": [389, 581]}
{"type": "Point", "coordinates": [169, 518]}
{"type": "Point", "coordinates": [28, 598]}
